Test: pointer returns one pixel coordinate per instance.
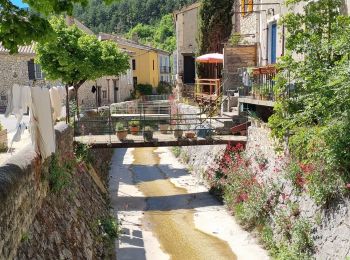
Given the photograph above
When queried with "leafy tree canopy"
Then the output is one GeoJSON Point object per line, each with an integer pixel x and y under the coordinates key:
{"type": "Point", "coordinates": [120, 17]}
{"type": "Point", "coordinates": [74, 57]}
{"type": "Point", "coordinates": [215, 24]}
{"type": "Point", "coordinates": [22, 26]}
{"type": "Point", "coordinates": [161, 35]}
{"type": "Point", "coordinates": [313, 91]}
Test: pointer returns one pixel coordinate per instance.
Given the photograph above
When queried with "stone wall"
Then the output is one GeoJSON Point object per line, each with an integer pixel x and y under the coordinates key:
{"type": "Point", "coordinates": [330, 224]}
{"type": "Point", "coordinates": [36, 223]}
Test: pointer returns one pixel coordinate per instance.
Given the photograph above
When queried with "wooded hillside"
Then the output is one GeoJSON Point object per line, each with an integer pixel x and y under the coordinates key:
{"type": "Point", "coordinates": [121, 16]}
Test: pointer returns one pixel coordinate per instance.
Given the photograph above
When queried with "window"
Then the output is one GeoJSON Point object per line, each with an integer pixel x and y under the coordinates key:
{"type": "Point", "coordinates": [153, 64]}
{"type": "Point", "coordinates": [247, 6]}
{"type": "Point", "coordinates": [104, 94]}
{"type": "Point", "coordinates": [34, 71]}
{"type": "Point", "coordinates": [272, 43]}
{"type": "Point", "coordinates": [38, 73]}
{"type": "Point", "coordinates": [133, 64]}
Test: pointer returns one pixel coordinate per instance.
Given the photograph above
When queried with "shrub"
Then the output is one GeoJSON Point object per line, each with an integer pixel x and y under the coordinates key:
{"type": "Point", "coordinates": [82, 153]}
{"type": "Point", "coordinates": [164, 88]}
{"type": "Point", "coordinates": [59, 177]}
{"type": "Point", "coordinates": [110, 228]}
{"type": "Point", "coordinates": [295, 174]}
{"type": "Point", "coordinates": [176, 151]}
{"type": "Point", "coordinates": [144, 89]}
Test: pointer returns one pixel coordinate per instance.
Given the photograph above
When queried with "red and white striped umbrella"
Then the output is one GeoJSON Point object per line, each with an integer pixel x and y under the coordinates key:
{"type": "Point", "coordinates": [210, 58]}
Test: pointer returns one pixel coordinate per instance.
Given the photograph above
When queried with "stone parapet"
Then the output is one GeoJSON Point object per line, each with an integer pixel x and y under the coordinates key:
{"type": "Point", "coordinates": [23, 187]}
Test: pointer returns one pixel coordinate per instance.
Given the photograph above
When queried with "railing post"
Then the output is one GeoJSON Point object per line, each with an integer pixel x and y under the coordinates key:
{"type": "Point", "coordinates": [110, 123]}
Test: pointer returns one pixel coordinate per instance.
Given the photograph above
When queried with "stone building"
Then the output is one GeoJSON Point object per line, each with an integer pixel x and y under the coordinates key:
{"type": "Point", "coordinates": [186, 23]}
{"type": "Point", "coordinates": [20, 69]}
{"type": "Point", "coordinates": [256, 22]}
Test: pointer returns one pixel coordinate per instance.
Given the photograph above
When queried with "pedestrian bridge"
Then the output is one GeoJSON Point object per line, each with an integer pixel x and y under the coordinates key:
{"type": "Point", "coordinates": [159, 140]}
{"type": "Point", "coordinates": [158, 124]}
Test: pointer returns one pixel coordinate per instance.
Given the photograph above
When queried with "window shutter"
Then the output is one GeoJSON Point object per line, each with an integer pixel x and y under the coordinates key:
{"type": "Point", "coordinates": [250, 5]}
{"type": "Point", "coordinates": [243, 7]}
{"type": "Point", "coordinates": [31, 70]}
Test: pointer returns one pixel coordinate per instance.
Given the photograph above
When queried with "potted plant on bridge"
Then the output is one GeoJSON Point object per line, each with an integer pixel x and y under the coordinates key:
{"type": "Point", "coordinates": [189, 133]}
{"type": "Point", "coordinates": [121, 131]}
{"type": "Point", "coordinates": [148, 133]}
{"type": "Point", "coordinates": [134, 127]}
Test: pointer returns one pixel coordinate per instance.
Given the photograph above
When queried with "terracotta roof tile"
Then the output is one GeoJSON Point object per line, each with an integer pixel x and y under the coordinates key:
{"type": "Point", "coordinates": [28, 49]}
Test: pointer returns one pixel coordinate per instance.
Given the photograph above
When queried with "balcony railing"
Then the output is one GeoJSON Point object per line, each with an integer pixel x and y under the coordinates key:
{"type": "Point", "coordinates": [165, 69]}
{"type": "Point", "coordinates": [260, 85]}
{"type": "Point", "coordinates": [207, 90]}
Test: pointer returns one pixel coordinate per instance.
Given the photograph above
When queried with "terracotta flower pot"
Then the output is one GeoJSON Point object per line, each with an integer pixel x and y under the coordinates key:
{"type": "Point", "coordinates": [122, 135]}
{"type": "Point", "coordinates": [134, 130]}
{"type": "Point", "coordinates": [190, 135]}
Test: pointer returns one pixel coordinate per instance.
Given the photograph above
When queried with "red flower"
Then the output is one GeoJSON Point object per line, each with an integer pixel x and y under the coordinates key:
{"type": "Point", "coordinates": [306, 168]}
{"type": "Point", "coordinates": [348, 186]}
{"type": "Point", "coordinates": [300, 180]}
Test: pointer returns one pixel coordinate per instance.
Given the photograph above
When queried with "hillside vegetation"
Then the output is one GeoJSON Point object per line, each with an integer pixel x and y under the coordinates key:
{"type": "Point", "coordinates": [151, 20]}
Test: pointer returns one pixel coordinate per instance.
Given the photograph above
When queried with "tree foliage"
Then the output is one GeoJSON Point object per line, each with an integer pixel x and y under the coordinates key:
{"type": "Point", "coordinates": [215, 28]}
{"type": "Point", "coordinates": [215, 24]}
{"type": "Point", "coordinates": [122, 16]}
{"type": "Point", "coordinates": [74, 57]}
{"type": "Point", "coordinates": [162, 35]}
{"type": "Point", "coordinates": [23, 26]}
{"type": "Point", "coordinates": [316, 116]}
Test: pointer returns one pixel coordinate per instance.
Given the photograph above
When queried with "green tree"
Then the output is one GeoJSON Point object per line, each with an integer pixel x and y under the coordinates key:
{"type": "Point", "coordinates": [215, 24]}
{"type": "Point", "coordinates": [23, 26]}
{"type": "Point", "coordinates": [75, 57]}
{"type": "Point", "coordinates": [123, 15]}
{"type": "Point", "coordinates": [313, 94]}
{"type": "Point", "coordinates": [161, 35]}
{"type": "Point", "coordinates": [214, 29]}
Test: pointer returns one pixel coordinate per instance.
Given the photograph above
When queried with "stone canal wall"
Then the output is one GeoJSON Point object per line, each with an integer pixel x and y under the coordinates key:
{"type": "Point", "coordinates": [38, 223]}
{"type": "Point", "coordinates": [330, 225]}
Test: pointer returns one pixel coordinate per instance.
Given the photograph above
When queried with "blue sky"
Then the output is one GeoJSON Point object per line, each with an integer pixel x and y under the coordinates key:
{"type": "Point", "coordinates": [19, 3]}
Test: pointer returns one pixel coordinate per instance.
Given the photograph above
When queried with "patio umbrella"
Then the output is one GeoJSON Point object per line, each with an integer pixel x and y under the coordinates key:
{"type": "Point", "coordinates": [211, 58]}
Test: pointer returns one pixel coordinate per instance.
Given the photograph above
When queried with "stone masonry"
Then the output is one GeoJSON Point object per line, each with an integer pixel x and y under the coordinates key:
{"type": "Point", "coordinates": [330, 225]}
{"type": "Point", "coordinates": [36, 223]}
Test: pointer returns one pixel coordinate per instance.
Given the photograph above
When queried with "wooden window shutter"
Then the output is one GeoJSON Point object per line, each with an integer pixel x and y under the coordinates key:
{"type": "Point", "coordinates": [243, 7]}
{"type": "Point", "coordinates": [250, 6]}
{"type": "Point", "coordinates": [31, 70]}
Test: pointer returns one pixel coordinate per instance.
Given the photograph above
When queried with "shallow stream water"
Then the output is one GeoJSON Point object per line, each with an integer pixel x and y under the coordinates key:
{"type": "Point", "coordinates": [170, 210]}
